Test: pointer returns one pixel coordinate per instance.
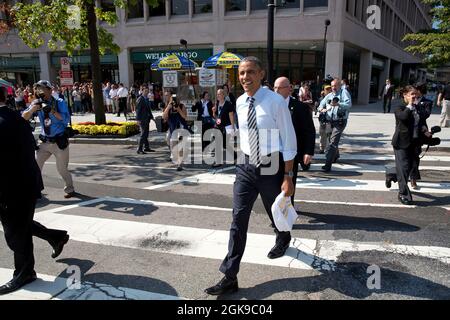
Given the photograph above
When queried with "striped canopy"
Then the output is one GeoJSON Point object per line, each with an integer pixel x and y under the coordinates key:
{"type": "Point", "coordinates": [4, 83]}
{"type": "Point", "coordinates": [224, 59]}
{"type": "Point", "coordinates": [174, 62]}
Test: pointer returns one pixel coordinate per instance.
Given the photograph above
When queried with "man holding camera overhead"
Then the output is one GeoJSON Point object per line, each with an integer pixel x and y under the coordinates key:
{"type": "Point", "coordinates": [336, 106]}
{"type": "Point", "coordinates": [54, 118]}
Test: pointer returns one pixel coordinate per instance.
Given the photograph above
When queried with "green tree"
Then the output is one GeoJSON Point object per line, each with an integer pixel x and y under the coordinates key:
{"type": "Point", "coordinates": [46, 23]}
{"type": "Point", "coordinates": [435, 43]}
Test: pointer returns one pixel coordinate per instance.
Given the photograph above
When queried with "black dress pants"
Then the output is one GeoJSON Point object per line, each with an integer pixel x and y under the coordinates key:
{"type": "Point", "coordinates": [19, 229]}
{"type": "Point", "coordinates": [143, 140]}
{"type": "Point", "coordinates": [405, 160]}
{"type": "Point", "coordinates": [249, 183]}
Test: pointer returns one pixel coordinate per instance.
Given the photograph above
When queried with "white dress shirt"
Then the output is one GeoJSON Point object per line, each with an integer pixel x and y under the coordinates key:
{"type": "Point", "coordinates": [273, 119]}
{"type": "Point", "coordinates": [205, 109]}
{"type": "Point", "coordinates": [122, 92]}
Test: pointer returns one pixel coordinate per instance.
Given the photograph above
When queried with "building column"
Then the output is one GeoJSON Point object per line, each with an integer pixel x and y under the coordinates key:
{"type": "Point", "coordinates": [218, 48]}
{"type": "Point", "coordinates": [334, 59]}
{"type": "Point", "coordinates": [365, 75]}
{"type": "Point", "coordinates": [125, 68]}
{"type": "Point", "coordinates": [384, 74]}
{"type": "Point", "coordinates": [44, 61]}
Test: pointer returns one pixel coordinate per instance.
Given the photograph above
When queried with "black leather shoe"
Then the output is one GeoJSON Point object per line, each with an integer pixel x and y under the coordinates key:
{"type": "Point", "coordinates": [278, 250]}
{"type": "Point", "coordinates": [148, 150]}
{"type": "Point", "coordinates": [224, 286]}
{"type": "Point", "coordinates": [388, 183]}
{"type": "Point", "coordinates": [140, 152]}
{"type": "Point", "coordinates": [70, 195]}
{"type": "Point", "coordinates": [403, 200]}
{"type": "Point", "coordinates": [59, 246]}
{"type": "Point", "coordinates": [16, 283]}
{"type": "Point", "coordinates": [326, 169]}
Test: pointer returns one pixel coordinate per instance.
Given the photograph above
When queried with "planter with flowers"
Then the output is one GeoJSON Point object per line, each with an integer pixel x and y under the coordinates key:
{"type": "Point", "coordinates": [108, 130]}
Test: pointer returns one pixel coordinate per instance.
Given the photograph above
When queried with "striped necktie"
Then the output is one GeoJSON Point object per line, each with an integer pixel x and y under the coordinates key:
{"type": "Point", "coordinates": [253, 136]}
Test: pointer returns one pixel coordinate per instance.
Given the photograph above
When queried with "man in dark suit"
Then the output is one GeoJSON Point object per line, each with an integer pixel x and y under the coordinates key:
{"type": "Point", "coordinates": [303, 124]}
{"type": "Point", "coordinates": [410, 129]}
{"type": "Point", "coordinates": [204, 109]}
{"type": "Point", "coordinates": [143, 116]}
{"type": "Point", "coordinates": [386, 95]}
{"type": "Point", "coordinates": [20, 186]}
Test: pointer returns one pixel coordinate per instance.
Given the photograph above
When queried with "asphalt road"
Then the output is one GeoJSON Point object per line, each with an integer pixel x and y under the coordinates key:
{"type": "Point", "coordinates": [141, 230]}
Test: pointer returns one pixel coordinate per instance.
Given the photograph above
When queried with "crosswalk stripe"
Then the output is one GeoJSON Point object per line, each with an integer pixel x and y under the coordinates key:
{"type": "Point", "coordinates": [374, 157]}
{"type": "Point", "coordinates": [368, 168]}
{"type": "Point", "coordinates": [48, 287]}
{"type": "Point", "coordinates": [318, 183]}
{"type": "Point", "coordinates": [303, 254]}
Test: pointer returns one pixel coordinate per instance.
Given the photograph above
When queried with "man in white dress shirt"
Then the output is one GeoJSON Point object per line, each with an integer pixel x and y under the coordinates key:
{"type": "Point", "coordinates": [261, 112]}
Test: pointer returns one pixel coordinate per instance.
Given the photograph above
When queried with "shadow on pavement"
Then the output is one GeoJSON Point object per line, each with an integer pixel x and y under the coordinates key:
{"type": "Point", "coordinates": [339, 222]}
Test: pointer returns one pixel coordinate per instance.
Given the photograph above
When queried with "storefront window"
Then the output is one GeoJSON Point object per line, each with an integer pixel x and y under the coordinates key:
{"type": "Point", "coordinates": [235, 5]}
{"type": "Point", "coordinates": [179, 7]}
{"type": "Point", "coordinates": [158, 11]}
{"type": "Point", "coordinates": [292, 4]}
{"type": "Point", "coordinates": [315, 3]}
{"type": "Point", "coordinates": [136, 11]}
{"type": "Point", "coordinates": [258, 4]}
{"type": "Point", "coordinates": [108, 5]}
{"type": "Point", "coordinates": [202, 6]}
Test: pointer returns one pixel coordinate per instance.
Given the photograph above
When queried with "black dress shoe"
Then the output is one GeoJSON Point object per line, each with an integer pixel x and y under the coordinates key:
{"type": "Point", "coordinates": [326, 169]}
{"type": "Point", "coordinates": [140, 152]}
{"type": "Point", "coordinates": [278, 250]}
{"type": "Point", "coordinates": [388, 183]}
{"type": "Point", "coordinates": [58, 247]}
{"type": "Point", "coordinates": [148, 150]}
{"type": "Point", "coordinates": [16, 283]}
{"type": "Point", "coordinates": [224, 286]}
{"type": "Point", "coordinates": [404, 200]}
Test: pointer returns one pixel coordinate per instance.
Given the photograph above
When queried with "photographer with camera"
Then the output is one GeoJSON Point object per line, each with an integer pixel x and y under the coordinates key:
{"type": "Point", "coordinates": [54, 118]}
{"type": "Point", "coordinates": [335, 106]}
{"type": "Point", "coordinates": [411, 132]}
{"type": "Point", "coordinates": [175, 114]}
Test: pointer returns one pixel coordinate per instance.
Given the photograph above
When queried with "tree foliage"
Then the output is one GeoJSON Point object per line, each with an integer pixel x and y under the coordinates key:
{"type": "Point", "coordinates": [435, 43]}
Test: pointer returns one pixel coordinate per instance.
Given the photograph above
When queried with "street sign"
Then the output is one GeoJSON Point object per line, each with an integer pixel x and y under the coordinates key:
{"type": "Point", "coordinates": [65, 64]}
{"type": "Point", "coordinates": [66, 74]}
{"type": "Point", "coordinates": [66, 82]}
{"type": "Point", "coordinates": [170, 79]}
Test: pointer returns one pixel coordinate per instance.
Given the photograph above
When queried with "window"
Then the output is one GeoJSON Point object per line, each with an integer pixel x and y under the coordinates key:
{"type": "Point", "coordinates": [292, 4]}
{"type": "Point", "coordinates": [202, 6]}
{"type": "Point", "coordinates": [315, 3]}
{"type": "Point", "coordinates": [108, 5]}
{"type": "Point", "coordinates": [258, 4]}
{"type": "Point", "coordinates": [136, 11]}
{"type": "Point", "coordinates": [236, 5]}
{"type": "Point", "coordinates": [158, 11]}
{"type": "Point", "coordinates": [179, 7]}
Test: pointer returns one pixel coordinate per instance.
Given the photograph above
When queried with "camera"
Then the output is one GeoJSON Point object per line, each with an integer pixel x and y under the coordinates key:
{"type": "Point", "coordinates": [174, 103]}
{"type": "Point", "coordinates": [432, 142]}
{"type": "Point", "coordinates": [44, 106]}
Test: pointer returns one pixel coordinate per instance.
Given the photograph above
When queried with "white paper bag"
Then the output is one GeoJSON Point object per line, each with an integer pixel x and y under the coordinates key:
{"type": "Point", "coordinates": [283, 213]}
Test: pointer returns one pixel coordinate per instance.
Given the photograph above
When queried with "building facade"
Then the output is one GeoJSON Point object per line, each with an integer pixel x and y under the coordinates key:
{"type": "Point", "coordinates": [353, 51]}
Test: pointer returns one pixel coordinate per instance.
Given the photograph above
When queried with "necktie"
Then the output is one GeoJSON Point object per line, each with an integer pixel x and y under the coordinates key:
{"type": "Point", "coordinates": [255, 156]}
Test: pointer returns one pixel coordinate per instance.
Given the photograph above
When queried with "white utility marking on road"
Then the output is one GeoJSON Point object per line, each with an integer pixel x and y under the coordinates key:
{"type": "Point", "coordinates": [354, 157]}
{"type": "Point", "coordinates": [328, 184]}
{"type": "Point", "coordinates": [192, 179]}
{"type": "Point", "coordinates": [368, 168]}
{"type": "Point", "coordinates": [213, 244]}
{"type": "Point", "coordinates": [361, 204]}
{"type": "Point", "coordinates": [48, 287]}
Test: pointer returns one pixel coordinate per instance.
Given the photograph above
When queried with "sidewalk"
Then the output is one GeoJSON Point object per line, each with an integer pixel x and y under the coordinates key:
{"type": "Point", "coordinates": [369, 130]}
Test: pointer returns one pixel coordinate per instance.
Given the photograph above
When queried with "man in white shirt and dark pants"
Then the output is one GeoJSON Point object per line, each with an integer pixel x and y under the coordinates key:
{"type": "Point", "coordinates": [262, 113]}
{"type": "Point", "coordinates": [122, 93]}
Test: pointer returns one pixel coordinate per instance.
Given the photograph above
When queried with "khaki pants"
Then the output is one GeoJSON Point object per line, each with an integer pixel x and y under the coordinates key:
{"type": "Point", "coordinates": [445, 114]}
{"type": "Point", "coordinates": [62, 162]}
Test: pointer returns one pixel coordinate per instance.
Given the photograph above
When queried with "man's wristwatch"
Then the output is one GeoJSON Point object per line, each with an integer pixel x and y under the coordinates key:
{"type": "Point", "coordinates": [289, 174]}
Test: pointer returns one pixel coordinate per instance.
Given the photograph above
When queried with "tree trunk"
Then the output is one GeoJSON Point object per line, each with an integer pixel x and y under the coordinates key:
{"type": "Point", "coordinates": [98, 105]}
